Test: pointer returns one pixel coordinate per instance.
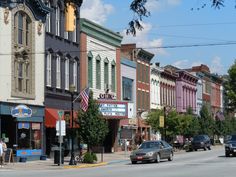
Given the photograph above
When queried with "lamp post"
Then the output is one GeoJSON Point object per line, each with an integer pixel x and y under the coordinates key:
{"type": "Point", "coordinates": [72, 158]}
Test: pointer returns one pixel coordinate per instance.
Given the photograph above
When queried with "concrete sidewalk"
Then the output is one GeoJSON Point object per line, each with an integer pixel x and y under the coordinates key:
{"type": "Point", "coordinates": [106, 158]}
{"type": "Point", "coordinates": [48, 164]}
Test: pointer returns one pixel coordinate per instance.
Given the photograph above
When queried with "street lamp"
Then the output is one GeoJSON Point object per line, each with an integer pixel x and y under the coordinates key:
{"type": "Point", "coordinates": [72, 158]}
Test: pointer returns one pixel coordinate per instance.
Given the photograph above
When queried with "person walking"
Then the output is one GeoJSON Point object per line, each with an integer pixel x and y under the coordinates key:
{"type": "Point", "coordinates": [1, 153]}
{"type": "Point", "coordinates": [4, 148]}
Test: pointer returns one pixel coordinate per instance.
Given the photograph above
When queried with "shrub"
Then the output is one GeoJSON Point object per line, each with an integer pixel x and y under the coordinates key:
{"type": "Point", "coordinates": [89, 157]}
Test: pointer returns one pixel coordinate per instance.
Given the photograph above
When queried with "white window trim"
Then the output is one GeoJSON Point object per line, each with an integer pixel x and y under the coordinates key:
{"type": "Point", "coordinates": [75, 75]}
{"type": "Point", "coordinates": [48, 20]}
{"type": "Point", "coordinates": [58, 14]}
{"type": "Point", "coordinates": [58, 85]}
{"type": "Point", "coordinates": [67, 75]}
{"type": "Point", "coordinates": [49, 69]}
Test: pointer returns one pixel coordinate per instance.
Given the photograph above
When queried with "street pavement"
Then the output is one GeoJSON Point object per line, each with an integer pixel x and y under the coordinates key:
{"type": "Point", "coordinates": [48, 164]}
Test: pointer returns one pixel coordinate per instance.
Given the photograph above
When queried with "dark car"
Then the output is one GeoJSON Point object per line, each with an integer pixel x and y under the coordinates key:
{"type": "Point", "coordinates": [201, 142]}
{"type": "Point", "coordinates": [230, 146]}
{"type": "Point", "coordinates": [152, 151]}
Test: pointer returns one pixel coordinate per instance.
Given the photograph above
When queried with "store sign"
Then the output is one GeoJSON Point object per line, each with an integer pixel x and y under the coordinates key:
{"type": "Point", "coordinates": [106, 96]}
{"type": "Point", "coordinates": [21, 111]}
{"type": "Point", "coordinates": [113, 109]}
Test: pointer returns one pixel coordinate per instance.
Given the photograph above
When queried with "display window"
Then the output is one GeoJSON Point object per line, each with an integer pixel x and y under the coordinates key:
{"type": "Point", "coordinates": [29, 135]}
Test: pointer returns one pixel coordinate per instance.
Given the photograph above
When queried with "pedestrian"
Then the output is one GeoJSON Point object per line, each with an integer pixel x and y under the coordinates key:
{"type": "Point", "coordinates": [1, 153]}
{"type": "Point", "coordinates": [4, 147]}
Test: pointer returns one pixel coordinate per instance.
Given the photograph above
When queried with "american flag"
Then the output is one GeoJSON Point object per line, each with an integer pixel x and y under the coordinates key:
{"type": "Point", "coordinates": [84, 95]}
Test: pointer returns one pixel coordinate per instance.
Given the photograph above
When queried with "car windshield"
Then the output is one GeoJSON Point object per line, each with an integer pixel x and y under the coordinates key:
{"type": "Point", "coordinates": [233, 138]}
{"type": "Point", "coordinates": [197, 138]}
{"type": "Point", "coordinates": [147, 145]}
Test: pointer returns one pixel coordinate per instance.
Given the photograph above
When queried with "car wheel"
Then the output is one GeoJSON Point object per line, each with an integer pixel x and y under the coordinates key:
{"type": "Point", "coordinates": [133, 162]}
{"type": "Point", "coordinates": [209, 147]}
{"type": "Point", "coordinates": [227, 154]}
{"type": "Point", "coordinates": [158, 158]}
{"type": "Point", "coordinates": [170, 157]}
{"type": "Point", "coordinates": [205, 148]}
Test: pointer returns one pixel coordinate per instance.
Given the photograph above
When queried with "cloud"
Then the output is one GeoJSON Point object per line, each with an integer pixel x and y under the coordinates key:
{"type": "Point", "coordinates": [182, 64]}
{"type": "Point", "coordinates": [142, 40]}
{"type": "Point", "coordinates": [96, 11]}
{"type": "Point", "coordinates": [152, 5]}
{"type": "Point", "coordinates": [216, 65]}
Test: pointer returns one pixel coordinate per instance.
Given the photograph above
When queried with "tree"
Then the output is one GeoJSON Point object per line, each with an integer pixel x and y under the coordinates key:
{"type": "Point", "coordinates": [206, 122]}
{"type": "Point", "coordinates": [230, 88]}
{"type": "Point", "coordinates": [92, 126]}
{"type": "Point", "coordinates": [140, 11]}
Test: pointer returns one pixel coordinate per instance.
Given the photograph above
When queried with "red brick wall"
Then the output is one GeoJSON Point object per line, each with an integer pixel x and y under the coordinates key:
{"type": "Point", "coordinates": [83, 61]}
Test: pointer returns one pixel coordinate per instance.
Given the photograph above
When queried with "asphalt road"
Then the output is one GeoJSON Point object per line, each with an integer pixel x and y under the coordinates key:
{"type": "Point", "coordinates": [193, 164]}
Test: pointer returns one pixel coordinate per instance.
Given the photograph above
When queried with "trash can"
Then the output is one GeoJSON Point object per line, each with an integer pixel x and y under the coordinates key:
{"type": "Point", "coordinates": [57, 156]}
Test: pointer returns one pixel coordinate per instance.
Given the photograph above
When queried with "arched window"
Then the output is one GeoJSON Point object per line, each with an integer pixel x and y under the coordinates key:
{"type": "Point", "coordinates": [67, 73]}
{"type": "Point", "coordinates": [48, 20]}
{"type": "Point", "coordinates": [90, 70]}
{"type": "Point", "coordinates": [22, 71]}
{"type": "Point", "coordinates": [58, 20]}
{"type": "Point", "coordinates": [58, 71]}
{"type": "Point", "coordinates": [75, 75]}
{"type": "Point", "coordinates": [98, 72]}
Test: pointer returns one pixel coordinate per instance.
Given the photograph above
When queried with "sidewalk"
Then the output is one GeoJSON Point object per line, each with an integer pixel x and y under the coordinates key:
{"type": "Point", "coordinates": [107, 158]}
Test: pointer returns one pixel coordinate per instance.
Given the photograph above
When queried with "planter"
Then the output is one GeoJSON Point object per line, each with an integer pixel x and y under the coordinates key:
{"type": "Point", "coordinates": [23, 159]}
{"type": "Point", "coordinates": [43, 157]}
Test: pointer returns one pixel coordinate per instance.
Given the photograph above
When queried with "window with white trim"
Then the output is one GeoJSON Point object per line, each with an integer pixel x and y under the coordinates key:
{"type": "Point", "coordinates": [49, 69]}
{"type": "Point", "coordinates": [58, 71]}
{"type": "Point", "coordinates": [74, 33]}
{"type": "Point", "coordinates": [58, 24]}
{"type": "Point", "coordinates": [48, 19]}
{"type": "Point", "coordinates": [67, 75]}
{"type": "Point", "coordinates": [75, 75]}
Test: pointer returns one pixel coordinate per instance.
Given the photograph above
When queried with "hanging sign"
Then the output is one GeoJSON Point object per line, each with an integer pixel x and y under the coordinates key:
{"type": "Point", "coordinates": [21, 111]}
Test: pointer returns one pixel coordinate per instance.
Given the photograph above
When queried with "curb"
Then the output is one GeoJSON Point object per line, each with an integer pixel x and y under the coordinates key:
{"type": "Point", "coordinates": [85, 165]}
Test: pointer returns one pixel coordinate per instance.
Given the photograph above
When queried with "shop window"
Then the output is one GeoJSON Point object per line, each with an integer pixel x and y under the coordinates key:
{"type": "Point", "coordinates": [29, 135]}
{"type": "Point", "coordinates": [23, 135]}
{"type": "Point", "coordinates": [35, 136]}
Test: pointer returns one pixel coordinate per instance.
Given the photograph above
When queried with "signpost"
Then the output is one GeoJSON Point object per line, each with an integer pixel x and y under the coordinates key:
{"type": "Point", "coordinates": [60, 114]}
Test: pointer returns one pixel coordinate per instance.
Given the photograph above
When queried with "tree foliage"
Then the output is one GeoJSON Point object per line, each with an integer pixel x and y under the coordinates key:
{"type": "Point", "coordinates": [140, 11]}
{"type": "Point", "coordinates": [230, 87]}
{"type": "Point", "coordinates": [92, 126]}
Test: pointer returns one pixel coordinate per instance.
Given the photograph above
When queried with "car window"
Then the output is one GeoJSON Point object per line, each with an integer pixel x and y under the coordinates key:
{"type": "Point", "coordinates": [233, 137]}
{"type": "Point", "coordinates": [147, 145]}
{"type": "Point", "coordinates": [165, 144]}
{"type": "Point", "coordinates": [197, 138]}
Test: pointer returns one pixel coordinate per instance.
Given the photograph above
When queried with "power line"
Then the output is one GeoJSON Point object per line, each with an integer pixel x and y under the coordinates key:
{"type": "Point", "coordinates": [158, 47]}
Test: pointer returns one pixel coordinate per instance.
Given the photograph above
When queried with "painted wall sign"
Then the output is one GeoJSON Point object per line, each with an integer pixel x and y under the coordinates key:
{"type": "Point", "coordinates": [113, 109]}
{"type": "Point", "coordinates": [21, 111]}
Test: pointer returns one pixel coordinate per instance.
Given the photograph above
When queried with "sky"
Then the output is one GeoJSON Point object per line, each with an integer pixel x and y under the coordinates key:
{"type": "Point", "coordinates": [172, 25]}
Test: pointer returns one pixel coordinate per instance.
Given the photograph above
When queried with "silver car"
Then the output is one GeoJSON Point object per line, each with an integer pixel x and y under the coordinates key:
{"type": "Point", "coordinates": [152, 151]}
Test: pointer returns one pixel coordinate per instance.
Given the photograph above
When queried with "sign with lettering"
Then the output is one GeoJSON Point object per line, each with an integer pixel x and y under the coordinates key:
{"type": "Point", "coordinates": [106, 96]}
{"type": "Point", "coordinates": [114, 110]}
{"type": "Point", "coordinates": [21, 111]}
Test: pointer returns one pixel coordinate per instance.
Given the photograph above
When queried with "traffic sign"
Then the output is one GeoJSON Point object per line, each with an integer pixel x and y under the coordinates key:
{"type": "Point", "coordinates": [60, 113]}
{"type": "Point", "coordinates": [63, 128]}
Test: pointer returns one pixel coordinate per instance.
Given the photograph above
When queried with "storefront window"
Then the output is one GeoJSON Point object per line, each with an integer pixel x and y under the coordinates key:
{"type": "Point", "coordinates": [29, 135]}
{"type": "Point", "coordinates": [35, 136]}
{"type": "Point", "coordinates": [23, 135]}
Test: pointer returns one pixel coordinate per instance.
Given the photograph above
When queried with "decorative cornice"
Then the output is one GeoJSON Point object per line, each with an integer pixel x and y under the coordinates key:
{"type": "Point", "coordinates": [94, 30]}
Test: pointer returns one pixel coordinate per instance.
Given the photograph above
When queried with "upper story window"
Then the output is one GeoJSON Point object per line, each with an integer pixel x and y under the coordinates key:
{"type": "Point", "coordinates": [23, 59]}
{"type": "Point", "coordinates": [67, 73]}
{"type": "Point", "coordinates": [106, 74]}
{"type": "Point", "coordinates": [90, 69]}
{"type": "Point", "coordinates": [58, 71]}
{"type": "Point", "coordinates": [74, 33]}
{"type": "Point", "coordinates": [127, 88]}
{"type": "Point", "coordinates": [48, 19]}
{"type": "Point", "coordinates": [75, 78]}
{"type": "Point", "coordinates": [49, 70]}
{"type": "Point", "coordinates": [113, 76]}
{"type": "Point", "coordinates": [58, 20]}
{"type": "Point", "coordinates": [98, 72]}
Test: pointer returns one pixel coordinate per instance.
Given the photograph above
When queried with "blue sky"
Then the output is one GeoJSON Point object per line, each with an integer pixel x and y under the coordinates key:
{"type": "Point", "coordinates": [175, 23]}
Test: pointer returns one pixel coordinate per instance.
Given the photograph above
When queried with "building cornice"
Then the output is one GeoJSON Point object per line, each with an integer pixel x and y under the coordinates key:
{"type": "Point", "coordinates": [98, 32]}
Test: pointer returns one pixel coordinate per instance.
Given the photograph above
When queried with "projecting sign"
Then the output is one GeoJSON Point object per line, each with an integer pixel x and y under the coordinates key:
{"type": "Point", "coordinates": [113, 109]}
{"type": "Point", "coordinates": [21, 111]}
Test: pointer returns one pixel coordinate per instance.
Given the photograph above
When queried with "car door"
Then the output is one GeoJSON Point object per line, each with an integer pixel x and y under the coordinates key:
{"type": "Point", "coordinates": [167, 149]}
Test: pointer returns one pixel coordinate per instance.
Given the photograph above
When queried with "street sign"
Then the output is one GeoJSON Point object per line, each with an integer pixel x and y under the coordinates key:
{"type": "Point", "coordinates": [161, 121]}
{"type": "Point", "coordinates": [60, 113]}
{"type": "Point", "coordinates": [63, 128]}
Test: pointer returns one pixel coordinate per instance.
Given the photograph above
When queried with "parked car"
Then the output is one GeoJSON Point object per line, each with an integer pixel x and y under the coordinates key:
{"type": "Point", "coordinates": [152, 151]}
{"type": "Point", "coordinates": [201, 142]}
{"type": "Point", "coordinates": [230, 146]}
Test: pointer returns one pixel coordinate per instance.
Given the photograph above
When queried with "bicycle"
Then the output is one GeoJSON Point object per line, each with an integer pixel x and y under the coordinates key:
{"type": "Point", "coordinates": [80, 157]}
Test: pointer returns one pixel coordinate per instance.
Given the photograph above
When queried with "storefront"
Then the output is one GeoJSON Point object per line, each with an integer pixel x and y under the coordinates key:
{"type": "Point", "coordinates": [113, 111]}
{"type": "Point", "coordinates": [22, 128]}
